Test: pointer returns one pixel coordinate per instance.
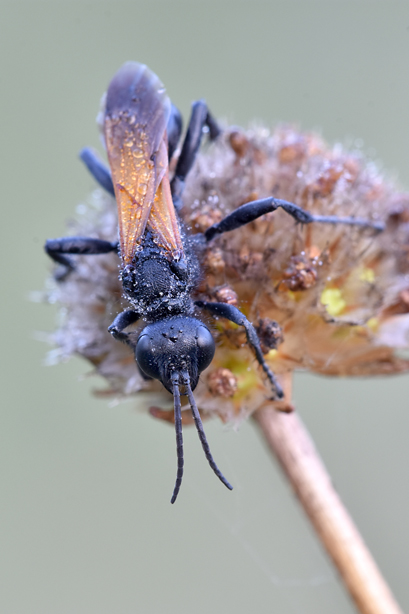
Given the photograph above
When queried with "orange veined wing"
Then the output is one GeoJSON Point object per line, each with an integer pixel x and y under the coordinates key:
{"type": "Point", "coordinates": [162, 221]}
{"type": "Point", "coordinates": [136, 115]}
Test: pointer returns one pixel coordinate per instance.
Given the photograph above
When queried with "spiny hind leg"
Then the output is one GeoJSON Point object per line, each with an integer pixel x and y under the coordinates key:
{"type": "Point", "coordinates": [200, 118]}
{"type": "Point", "coordinates": [251, 211]}
{"type": "Point", "coordinates": [98, 169]}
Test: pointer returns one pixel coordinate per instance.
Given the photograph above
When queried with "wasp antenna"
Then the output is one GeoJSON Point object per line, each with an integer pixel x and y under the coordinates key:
{"type": "Point", "coordinates": [179, 436]}
{"type": "Point", "coordinates": [200, 430]}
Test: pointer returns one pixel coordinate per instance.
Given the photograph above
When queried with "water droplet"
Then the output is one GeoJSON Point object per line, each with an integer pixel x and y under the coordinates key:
{"type": "Point", "coordinates": [142, 188]}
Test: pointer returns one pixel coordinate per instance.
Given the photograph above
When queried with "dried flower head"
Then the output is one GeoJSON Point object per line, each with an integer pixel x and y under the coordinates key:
{"type": "Point", "coordinates": [333, 300]}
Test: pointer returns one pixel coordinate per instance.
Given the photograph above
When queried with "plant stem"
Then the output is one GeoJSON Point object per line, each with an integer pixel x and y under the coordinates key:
{"type": "Point", "coordinates": [291, 443]}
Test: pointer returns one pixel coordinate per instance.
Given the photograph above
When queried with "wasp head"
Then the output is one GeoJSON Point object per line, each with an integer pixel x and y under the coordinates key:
{"type": "Point", "coordinates": [172, 346]}
{"type": "Point", "coordinates": [175, 351]}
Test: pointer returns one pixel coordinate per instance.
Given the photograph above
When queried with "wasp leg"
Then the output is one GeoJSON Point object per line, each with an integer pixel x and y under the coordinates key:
{"type": "Point", "coordinates": [174, 129]}
{"type": "Point", "coordinates": [223, 310]}
{"type": "Point", "coordinates": [98, 169]}
{"type": "Point", "coordinates": [251, 211]}
{"type": "Point", "coordinates": [122, 321]}
{"type": "Point", "coordinates": [57, 248]}
{"type": "Point", "coordinates": [200, 117]}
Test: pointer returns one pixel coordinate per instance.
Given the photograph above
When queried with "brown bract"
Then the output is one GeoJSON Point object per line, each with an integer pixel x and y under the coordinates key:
{"type": "Point", "coordinates": [330, 299]}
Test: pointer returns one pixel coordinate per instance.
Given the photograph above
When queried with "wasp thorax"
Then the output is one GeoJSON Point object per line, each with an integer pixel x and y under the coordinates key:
{"type": "Point", "coordinates": [174, 345]}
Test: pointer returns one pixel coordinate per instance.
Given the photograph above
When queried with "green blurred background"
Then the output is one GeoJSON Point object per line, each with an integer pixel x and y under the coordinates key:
{"type": "Point", "coordinates": [86, 525]}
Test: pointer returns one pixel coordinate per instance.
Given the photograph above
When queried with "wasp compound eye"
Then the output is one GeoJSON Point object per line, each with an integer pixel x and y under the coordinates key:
{"type": "Point", "coordinates": [147, 357]}
{"type": "Point", "coordinates": [205, 348]}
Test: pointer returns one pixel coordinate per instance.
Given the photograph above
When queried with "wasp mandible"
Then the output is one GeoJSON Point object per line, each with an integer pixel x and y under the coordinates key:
{"type": "Point", "coordinates": [160, 261]}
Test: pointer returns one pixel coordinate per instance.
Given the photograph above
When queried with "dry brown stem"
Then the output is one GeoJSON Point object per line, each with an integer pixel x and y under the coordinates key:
{"type": "Point", "coordinates": [291, 443]}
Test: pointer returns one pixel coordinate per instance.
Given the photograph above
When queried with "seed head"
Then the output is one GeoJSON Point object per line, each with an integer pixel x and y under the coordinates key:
{"type": "Point", "coordinates": [328, 299]}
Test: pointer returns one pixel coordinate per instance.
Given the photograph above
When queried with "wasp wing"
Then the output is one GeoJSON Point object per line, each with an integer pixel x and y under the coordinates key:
{"type": "Point", "coordinates": [162, 221]}
{"type": "Point", "coordinates": [136, 115]}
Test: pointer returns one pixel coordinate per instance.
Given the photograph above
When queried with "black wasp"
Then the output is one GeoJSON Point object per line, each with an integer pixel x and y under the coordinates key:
{"type": "Point", "coordinates": [160, 267]}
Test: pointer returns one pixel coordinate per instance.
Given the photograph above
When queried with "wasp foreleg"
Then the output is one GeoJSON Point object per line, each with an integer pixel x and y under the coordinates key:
{"type": "Point", "coordinates": [122, 321]}
{"type": "Point", "coordinates": [223, 310]}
